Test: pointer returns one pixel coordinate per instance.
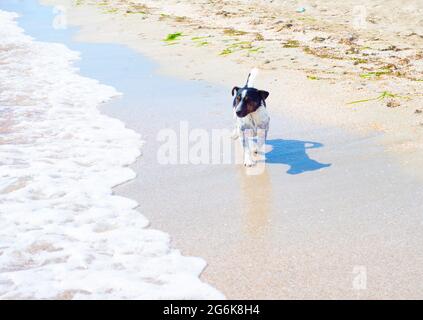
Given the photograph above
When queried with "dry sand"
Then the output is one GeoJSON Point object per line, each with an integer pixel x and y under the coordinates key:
{"type": "Point", "coordinates": [313, 63]}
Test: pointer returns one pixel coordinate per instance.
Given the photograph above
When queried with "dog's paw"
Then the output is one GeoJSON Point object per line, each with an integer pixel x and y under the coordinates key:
{"type": "Point", "coordinates": [248, 162]}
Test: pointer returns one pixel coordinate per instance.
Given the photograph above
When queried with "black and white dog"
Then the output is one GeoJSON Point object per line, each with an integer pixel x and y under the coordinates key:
{"type": "Point", "coordinates": [252, 119]}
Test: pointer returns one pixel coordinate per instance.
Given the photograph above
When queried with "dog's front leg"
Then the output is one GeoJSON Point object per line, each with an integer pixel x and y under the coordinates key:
{"type": "Point", "coordinates": [247, 137]}
{"type": "Point", "coordinates": [235, 132]}
{"type": "Point", "coordinates": [237, 128]}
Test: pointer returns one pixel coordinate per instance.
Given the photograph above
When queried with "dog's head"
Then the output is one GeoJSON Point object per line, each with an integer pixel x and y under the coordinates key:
{"type": "Point", "coordinates": [248, 100]}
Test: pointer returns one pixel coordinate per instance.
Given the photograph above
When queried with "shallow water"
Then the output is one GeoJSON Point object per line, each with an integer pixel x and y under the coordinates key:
{"type": "Point", "coordinates": [330, 210]}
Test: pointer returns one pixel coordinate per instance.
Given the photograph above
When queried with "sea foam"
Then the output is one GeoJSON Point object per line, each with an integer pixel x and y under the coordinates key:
{"type": "Point", "coordinates": [63, 233]}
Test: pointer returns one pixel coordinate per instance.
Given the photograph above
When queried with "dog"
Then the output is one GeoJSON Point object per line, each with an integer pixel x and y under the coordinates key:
{"type": "Point", "coordinates": [252, 119]}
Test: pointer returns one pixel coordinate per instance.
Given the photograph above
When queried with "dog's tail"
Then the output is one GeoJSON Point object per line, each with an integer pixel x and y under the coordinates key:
{"type": "Point", "coordinates": [252, 77]}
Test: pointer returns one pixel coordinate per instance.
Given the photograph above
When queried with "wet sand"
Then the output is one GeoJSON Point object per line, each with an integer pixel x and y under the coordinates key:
{"type": "Point", "coordinates": [331, 203]}
{"type": "Point", "coordinates": [297, 231]}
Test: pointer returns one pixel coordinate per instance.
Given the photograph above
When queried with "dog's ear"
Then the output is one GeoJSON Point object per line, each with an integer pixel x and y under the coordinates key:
{"type": "Point", "coordinates": [234, 89]}
{"type": "Point", "coordinates": [264, 94]}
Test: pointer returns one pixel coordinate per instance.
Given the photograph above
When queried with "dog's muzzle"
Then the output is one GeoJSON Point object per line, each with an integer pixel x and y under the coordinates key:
{"type": "Point", "coordinates": [240, 113]}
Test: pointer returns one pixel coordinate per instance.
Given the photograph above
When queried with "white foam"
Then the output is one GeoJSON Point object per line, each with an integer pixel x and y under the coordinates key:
{"type": "Point", "coordinates": [63, 234]}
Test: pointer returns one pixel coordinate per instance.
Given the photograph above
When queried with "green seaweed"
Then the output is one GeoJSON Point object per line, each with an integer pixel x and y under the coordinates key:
{"type": "Point", "coordinates": [312, 77]}
{"type": "Point", "coordinates": [256, 50]}
{"type": "Point", "coordinates": [238, 46]}
{"type": "Point", "coordinates": [384, 95]}
{"type": "Point", "coordinates": [199, 38]}
{"type": "Point", "coordinates": [375, 74]}
{"type": "Point", "coordinates": [225, 52]}
{"type": "Point", "coordinates": [111, 10]}
{"type": "Point", "coordinates": [200, 41]}
{"type": "Point", "coordinates": [164, 16]}
{"type": "Point", "coordinates": [171, 37]}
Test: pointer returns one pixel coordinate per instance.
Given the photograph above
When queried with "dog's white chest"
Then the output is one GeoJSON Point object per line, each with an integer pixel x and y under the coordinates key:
{"type": "Point", "coordinates": [258, 119]}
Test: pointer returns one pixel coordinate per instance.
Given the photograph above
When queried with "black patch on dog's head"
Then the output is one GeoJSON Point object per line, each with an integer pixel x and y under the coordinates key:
{"type": "Point", "coordinates": [248, 100]}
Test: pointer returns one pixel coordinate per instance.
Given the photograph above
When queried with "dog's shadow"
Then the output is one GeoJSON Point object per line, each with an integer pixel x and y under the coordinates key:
{"type": "Point", "coordinates": [294, 154]}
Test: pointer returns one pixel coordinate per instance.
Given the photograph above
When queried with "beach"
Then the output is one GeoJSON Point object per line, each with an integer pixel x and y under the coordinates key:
{"type": "Point", "coordinates": [336, 214]}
